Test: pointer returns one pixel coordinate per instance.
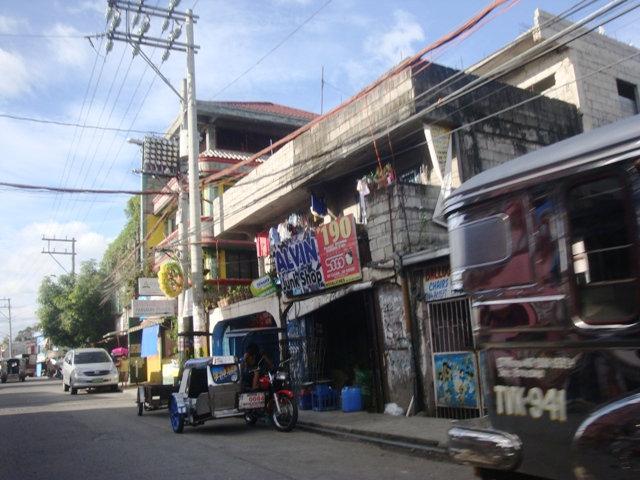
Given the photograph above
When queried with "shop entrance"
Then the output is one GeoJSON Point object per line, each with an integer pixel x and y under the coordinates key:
{"type": "Point", "coordinates": [339, 346]}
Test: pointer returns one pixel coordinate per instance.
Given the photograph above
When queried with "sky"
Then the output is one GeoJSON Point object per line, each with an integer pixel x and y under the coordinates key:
{"type": "Point", "coordinates": [46, 72]}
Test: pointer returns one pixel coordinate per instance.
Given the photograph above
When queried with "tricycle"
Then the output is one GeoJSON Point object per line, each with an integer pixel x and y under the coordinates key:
{"type": "Point", "coordinates": [153, 396]}
{"type": "Point", "coordinates": [212, 388]}
{"type": "Point", "coordinates": [13, 369]}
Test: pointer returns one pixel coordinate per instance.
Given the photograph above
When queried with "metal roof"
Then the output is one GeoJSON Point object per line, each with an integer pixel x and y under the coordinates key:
{"type": "Point", "coordinates": [613, 142]}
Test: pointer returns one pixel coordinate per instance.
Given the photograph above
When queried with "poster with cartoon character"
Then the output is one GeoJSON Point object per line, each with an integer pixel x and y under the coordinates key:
{"type": "Point", "coordinates": [456, 379]}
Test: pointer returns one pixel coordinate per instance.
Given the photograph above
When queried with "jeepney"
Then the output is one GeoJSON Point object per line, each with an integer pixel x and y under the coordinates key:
{"type": "Point", "coordinates": [547, 247]}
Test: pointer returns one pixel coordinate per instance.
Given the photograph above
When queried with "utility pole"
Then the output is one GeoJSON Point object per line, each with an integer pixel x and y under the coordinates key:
{"type": "Point", "coordinates": [195, 204]}
{"type": "Point", "coordinates": [7, 306]}
{"type": "Point", "coordinates": [53, 252]}
{"type": "Point", "coordinates": [139, 15]}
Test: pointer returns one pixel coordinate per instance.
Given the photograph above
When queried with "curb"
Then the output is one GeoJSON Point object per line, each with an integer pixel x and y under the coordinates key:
{"type": "Point", "coordinates": [412, 446]}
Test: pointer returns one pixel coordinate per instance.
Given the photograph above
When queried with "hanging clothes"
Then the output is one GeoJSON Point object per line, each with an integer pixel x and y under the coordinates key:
{"type": "Point", "coordinates": [363, 190]}
{"type": "Point", "coordinates": [274, 236]}
{"type": "Point", "coordinates": [318, 207]}
{"type": "Point", "coordinates": [262, 244]}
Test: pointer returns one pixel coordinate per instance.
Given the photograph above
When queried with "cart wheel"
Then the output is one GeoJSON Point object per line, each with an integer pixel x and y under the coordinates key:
{"type": "Point", "coordinates": [140, 408]}
{"type": "Point", "coordinates": [250, 418]}
{"type": "Point", "coordinates": [288, 416]}
{"type": "Point", "coordinates": [177, 418]}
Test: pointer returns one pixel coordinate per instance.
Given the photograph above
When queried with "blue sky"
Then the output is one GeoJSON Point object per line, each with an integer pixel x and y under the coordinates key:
{"type": "Point", "coordinates": [355, 40]}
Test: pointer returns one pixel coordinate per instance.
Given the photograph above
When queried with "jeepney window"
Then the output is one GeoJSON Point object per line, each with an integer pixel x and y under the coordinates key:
{"type": "Point", "coordinates": [602, 252]}
{"type": "Point", "coordinates": [480, 242]}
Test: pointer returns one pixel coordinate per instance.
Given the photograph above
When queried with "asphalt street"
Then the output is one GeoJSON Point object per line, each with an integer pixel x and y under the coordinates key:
{"type": "Point", "coordinates": [48, 434]}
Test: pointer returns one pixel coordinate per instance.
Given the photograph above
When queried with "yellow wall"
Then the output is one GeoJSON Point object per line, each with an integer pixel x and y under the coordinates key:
{"type": "Point", "coordinates": [158, 235]}
{"type": "Point", "coordinates": [154, 369]}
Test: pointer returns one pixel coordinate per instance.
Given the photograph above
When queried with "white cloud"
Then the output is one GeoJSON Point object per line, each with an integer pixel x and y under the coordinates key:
{"type": "Point", "coordinates": [15, 79]}
{"type": "Point", "coordinates": [67, 51]}
{"type": "Point", "coordinates": [11, 25]}
{"type": "Point", "coordinates": [397, 43]}
{"type": "Point", "coordinates": [23, 266]}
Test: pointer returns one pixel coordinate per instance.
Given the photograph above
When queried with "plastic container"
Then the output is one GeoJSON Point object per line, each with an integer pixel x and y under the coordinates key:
{"type": "Point", "coordinates": [304, 399]}
{"type": "Point", "coordinates": [324, 398]}
{"type": "Point", "coordinates": [351, 399]}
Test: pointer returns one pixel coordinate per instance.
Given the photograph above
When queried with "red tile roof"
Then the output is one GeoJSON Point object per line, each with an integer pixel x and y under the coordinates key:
{"type": "Point", "coordinates": [273, 108]}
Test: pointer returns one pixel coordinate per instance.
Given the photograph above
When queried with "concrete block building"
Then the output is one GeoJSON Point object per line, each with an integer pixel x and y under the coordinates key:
{"type": "Point", "coordinates": [596, 73]}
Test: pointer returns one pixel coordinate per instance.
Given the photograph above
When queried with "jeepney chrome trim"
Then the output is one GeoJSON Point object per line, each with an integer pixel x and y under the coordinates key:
{"type": "Point", "coordinates": [506, 301]}
{"type": "Point", "coordinates": [485, 448]}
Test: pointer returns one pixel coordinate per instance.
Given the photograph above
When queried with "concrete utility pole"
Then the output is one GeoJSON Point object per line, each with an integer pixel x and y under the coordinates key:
{"type": "Point", "coordinates": [195, 203]}
{"type": "Point", "coordinates": [139, 16]}
{"type": "Point", "coordinates": [7, 306]}
{"type": "Point", "coordinates": [53, 252]}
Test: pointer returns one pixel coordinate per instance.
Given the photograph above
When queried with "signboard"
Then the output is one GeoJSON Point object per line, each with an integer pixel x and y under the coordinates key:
{"type": "Point", "coordinates": [338, 248]}
{"type": "Point", "coordinates": [437, 289]}
{"type": "Point", "coordinates": [150, 287]}
{"type": "Point", "coordinates": [153, 308]}
{"type": "Point", "coordinates": [263, 286]}
{"type": "Point", "coordinates": [456, 379]}
{"type": "Point", "coordinates": [314, 261]}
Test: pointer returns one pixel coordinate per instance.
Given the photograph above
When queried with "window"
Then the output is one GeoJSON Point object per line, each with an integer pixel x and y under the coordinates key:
{"type": "Point", "coordinates": [91, 357]}
{"type": "Point", "coordinates": [481, 242]}
{"type": "Point", "coordinates": [542, 85]}
{"type": "Point", "coordinates": [602, 252]}
{"type": "Point", "coordinates": [241, 264]}
{"type": "Point", "coordinates": [628, 97]}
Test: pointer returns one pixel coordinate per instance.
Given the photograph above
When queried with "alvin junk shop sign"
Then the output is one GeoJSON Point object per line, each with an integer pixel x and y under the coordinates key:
{"type": "Point", "coordinates": [316, 260]}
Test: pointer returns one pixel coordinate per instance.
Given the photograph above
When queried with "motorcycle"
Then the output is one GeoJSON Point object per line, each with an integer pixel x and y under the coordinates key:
{"type": "Point", "coordinates": [212, 388]}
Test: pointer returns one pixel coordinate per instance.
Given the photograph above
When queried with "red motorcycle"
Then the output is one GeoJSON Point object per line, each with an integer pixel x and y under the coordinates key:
{"type": "Point", "coordinates": [211, 388]}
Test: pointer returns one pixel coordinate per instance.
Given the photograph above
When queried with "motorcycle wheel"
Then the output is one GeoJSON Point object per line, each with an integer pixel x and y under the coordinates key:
{"type": "Point", "coordinates": [288, 416]}
{"type": "Point", "coordinates": [177, 419]}
{"type": "Point", "coordinates": [250, 418]}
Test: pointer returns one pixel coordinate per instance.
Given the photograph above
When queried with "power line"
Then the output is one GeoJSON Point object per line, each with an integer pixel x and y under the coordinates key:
{"type": "Point", "coordinates": [73, 124]}
{"type": "Point", "coordinates": [274, 48]}
{"type": "Point", "coordinates": [44, 35]}
{"type": "Point", "coordinates": [47, 188]}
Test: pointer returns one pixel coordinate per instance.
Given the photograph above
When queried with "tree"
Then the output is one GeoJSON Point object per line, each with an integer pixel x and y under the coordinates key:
{"type": "Point", "coordinates": [70, 309]}
{"type": "Point", "coordinates": [26, 334]}
{"type": "Point", "coordinates": [123, 274]}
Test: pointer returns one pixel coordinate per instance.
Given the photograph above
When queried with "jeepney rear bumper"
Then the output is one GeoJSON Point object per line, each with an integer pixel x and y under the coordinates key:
{"type": "Point", "coordinates": [485, 448]}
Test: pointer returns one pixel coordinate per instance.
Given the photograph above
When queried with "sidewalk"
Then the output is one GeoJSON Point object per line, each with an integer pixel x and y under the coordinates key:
{"type": "Point", "coordinates": [418, 435]}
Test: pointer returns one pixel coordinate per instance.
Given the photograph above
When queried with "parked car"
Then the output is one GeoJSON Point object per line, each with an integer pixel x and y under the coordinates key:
{"type": "Point", "coordinates": [85, 368]}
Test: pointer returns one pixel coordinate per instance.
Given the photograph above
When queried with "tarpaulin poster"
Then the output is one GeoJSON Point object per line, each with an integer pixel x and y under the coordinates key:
{"type": "Point", "coordinates": [456, 379]}
{"type": "Point", "coordinates": [298, 265]}
{"type": "Point", "coordinates": [338, 248]}
{"type": "Point", "coordinates": [313, 261]}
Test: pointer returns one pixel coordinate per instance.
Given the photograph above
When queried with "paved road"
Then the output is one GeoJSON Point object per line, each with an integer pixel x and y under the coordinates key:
{"type": "Point", "coordinates": [46, 434]}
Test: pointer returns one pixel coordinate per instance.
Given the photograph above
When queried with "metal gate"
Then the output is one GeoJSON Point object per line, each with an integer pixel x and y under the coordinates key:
{"type": "Point", "coordinates": [455, 361]}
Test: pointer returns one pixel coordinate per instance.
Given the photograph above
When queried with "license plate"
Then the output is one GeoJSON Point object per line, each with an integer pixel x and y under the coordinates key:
{"type": "Point", "coordinates": [97, 380]}
{"type": "Point", "coordinates": [248, 401]}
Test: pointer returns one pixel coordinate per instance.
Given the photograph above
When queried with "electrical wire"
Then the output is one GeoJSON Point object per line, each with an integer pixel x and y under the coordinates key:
{"type": "Point", "coordinates": [73, 124]}
{"type": "Point", "coordinates": [49, 188]}
{"type": "Point", "coordinates": [273, 49]}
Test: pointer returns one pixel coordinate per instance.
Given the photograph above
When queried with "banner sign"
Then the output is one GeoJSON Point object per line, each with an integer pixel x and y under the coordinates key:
{"type": "Point", "coordinates": [314, 261]}
{"type": "Point", "coordinates": [150, 287]}
{"type": "Point", "coordinates": [456, 379]}
{"type": "Point", "coordinates": [437, 289]}
{"type": "Point", "coordinates": [153, 308]}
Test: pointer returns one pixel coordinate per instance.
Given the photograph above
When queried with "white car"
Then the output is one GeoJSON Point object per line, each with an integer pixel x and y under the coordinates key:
{"type": "Point", "coordinates": [88, 368]}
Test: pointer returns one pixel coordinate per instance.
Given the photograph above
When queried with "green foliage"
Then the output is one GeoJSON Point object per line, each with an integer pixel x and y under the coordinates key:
{"type": "Point", "coordinates": [70, 309]}
{"type": "Point", "coordinates": [124, 274]}
{"type": "Point", "coordinates": [26, 334]}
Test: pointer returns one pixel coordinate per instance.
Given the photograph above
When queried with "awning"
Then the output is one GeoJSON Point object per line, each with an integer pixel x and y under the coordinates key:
{"type": "Point", "coordinates": [149, 322]}
{"type": "Point", "coordinates": [308, 305]}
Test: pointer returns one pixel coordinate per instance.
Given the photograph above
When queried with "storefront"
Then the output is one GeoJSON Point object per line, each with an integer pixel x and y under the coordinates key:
{"type": "Point", "coordinates": [450, 373]}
